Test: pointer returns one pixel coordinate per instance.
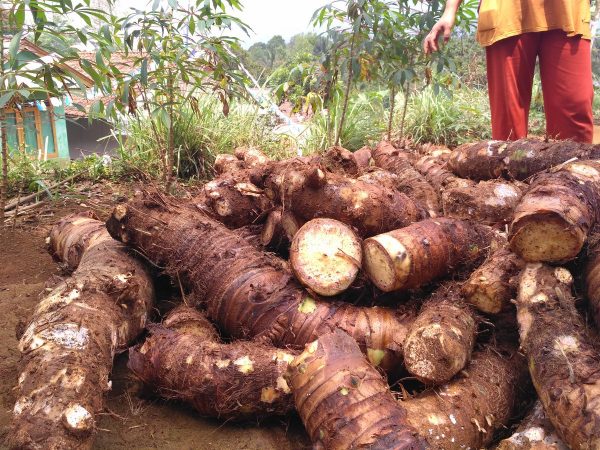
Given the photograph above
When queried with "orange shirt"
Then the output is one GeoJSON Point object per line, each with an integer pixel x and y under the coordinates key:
{"type": "Point", "coordinates": [499, 19]}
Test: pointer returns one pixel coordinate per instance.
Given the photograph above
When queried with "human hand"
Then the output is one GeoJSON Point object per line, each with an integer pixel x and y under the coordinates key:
{"type": "Point", "coordinates": [442, 27]}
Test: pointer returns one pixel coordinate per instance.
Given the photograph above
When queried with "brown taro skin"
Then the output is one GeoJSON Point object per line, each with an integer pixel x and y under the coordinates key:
{"type": "Point", "coordinates": [534, 433]}
{"type": "Point", "coordinates": [368, 208]}
{"type": "Point", "coordinates": [563, 359]}
{"type": "Point", "coordinates": [440, 340]}
{"type": "Point", "coordinates": [235, 201]}
{"type": "Point", "coordinates": [488, 202]}
{"type": "Point", "coordinates": [424, 251]}
{"type": "Point", "coordinates": [344, 402]}
{"type": "Point", "coordinates": [519, 160]}
{"type": "Point", "coordinates": [466, 412]}
{"type": "Point", "coordinates": [75, 331]}
{"type": "Point", "coordinates": [247, 292]}
{"type": "Point", "coordinates": [436, 172]}
{"type": "Point", "coordinates": [363, 158]}
{"type": "Point", "coordinates": [225, 162]}
{"type": "Point", "coordinates": [184, 359]}
{"type": "Point", "coordinates": [554, 217]}
{"type": "Point", "coordinates": [493, 285]}
{"type": "Point", "coordinates": [592, 283]}
{"type": "Point", "coordinates": [410, 181]}
{"type": "Point", "coordinates": [251, 156]}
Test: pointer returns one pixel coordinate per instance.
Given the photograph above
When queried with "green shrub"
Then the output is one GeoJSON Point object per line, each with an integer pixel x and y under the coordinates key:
{"type": "Point", "coordinates": [446, 118]}
{"type": "Point", "coordinates": [364, 124]}
{"type": "Point", "coordinates": [201, 132]}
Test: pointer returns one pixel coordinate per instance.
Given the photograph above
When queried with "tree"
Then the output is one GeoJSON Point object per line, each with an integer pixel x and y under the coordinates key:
{"type": "Point", "coordinates": [380, 40]}
{"type": "Point", "coordinates": [178, 51]}
{"type": "Point", "coordinates": [23, 80]}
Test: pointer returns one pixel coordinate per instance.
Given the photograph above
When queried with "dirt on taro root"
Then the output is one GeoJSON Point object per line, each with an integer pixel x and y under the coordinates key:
{"type": "Point", "coordinates": [132, 419]}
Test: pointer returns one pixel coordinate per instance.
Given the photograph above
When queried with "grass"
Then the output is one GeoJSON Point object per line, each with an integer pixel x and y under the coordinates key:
{"type": "Point", "coordinates": [448, 119]}
{"type": "Point", "coordinates": [463, 115]}
{"type": "Point", "coordinates": [200, 134]}
{"type": "Point", "coordinates": [364, 123]}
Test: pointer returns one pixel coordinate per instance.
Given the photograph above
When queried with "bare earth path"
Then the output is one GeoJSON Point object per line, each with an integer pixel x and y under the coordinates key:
{"type": "Point", "coordinates": [130, 421]}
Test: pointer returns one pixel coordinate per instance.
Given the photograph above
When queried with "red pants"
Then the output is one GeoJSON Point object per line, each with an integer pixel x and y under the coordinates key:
{"type": "Point", "coordinates": [566, 72]}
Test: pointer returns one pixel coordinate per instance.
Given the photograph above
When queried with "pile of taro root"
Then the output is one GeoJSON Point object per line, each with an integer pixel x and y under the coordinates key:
{"type": "Point", "coordinates": [466, 280]}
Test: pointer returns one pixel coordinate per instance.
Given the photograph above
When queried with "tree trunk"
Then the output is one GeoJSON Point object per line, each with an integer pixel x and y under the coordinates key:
{"type": "Point", "coordinates": [347, 93]}
{"type": "Point", "coordinates": [171, 141]}
{"type": "Point", "coordinates": [392, 107]}
{"type": "Point", "coordinates": [3, 136]}
{"type": "Point", "coordinates": [404, 108]}
{"type": "Point", "coordinates": [4, 184]}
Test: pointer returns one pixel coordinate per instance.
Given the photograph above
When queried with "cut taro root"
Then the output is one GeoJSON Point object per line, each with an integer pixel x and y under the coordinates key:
{"type": "Point", "coordinates": [326, 256]}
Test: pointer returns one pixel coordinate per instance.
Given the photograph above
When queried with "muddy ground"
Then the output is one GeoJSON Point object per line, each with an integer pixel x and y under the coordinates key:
{"type": "Point", "coordinates": [131, 420]}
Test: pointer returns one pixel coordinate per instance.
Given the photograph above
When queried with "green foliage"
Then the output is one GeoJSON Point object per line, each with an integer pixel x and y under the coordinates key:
{"type": "Point", "coordinates": [300, 81]}
{"type": "Point", "coordinates": [449, 119]}
{"type": "Point", "coordinates": [364, 123]}
{"type": "Point", "coordinates": [27, 174]}
{"type": "Point", "coordinates": [201, 133]}
{"type": "Point", "coordinates": [380, 40]}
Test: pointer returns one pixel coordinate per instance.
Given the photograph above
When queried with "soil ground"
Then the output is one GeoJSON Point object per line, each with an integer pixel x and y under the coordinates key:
{"type": "Point", "coordinates": [130, 421]}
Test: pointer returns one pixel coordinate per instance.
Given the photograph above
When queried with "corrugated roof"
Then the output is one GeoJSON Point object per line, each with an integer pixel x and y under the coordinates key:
{"type": "Point", "coordinates": [123, 62]}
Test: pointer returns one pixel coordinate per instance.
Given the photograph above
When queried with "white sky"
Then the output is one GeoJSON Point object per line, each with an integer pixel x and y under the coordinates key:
{"type": "Point", "coordinates": [272, 17]}
{"type": "Point", "coordinates": [266, 17]}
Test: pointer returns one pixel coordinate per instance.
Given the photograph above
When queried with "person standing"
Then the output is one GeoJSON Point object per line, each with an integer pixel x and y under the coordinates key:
{"type": "Point", "coordinates": [515, 33]}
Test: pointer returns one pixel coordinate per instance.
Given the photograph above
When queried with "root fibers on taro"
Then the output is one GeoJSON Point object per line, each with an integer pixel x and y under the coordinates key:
{"type": "Point", "coordinates": [413, 256]}
{"type": "Point", "coordinates": [563, 361]}
{"type": "Point", "coordinates": [344, 402]}
{"type": "Point", "coordinates": [68, 347]}
{"type": "Point", "coordinates": [245, 291]}
{"type": "Point", "coordinates": [184, 359]}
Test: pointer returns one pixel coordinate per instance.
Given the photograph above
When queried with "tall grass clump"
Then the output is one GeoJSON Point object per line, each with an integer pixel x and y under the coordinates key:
{"type": "Point", "coordinates": [364, 123]}
{"type": "Point", "coordinates": [447, 119]}
{"type": "Point", "coordinates": [202, 131]}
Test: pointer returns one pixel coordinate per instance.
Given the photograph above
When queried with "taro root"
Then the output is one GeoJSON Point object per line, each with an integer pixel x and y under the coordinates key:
{"type": "Point", "coordinates": [326, 256]}
{"type": "Point", "coordinates": [251, 156]}
{"type": "Point", "coordinates": [68, 347]}
{"type": "Point", "coordinates": [562, 356]}
{"type": "Point", "coordinates": [466, 412]}
{"type": "Point", "coordinates": [492, 286]}
{"type": "Point", "coordinates": [245, 291]}
{"type": "Point", "coordinates": [554, 217]}
{"type": "Point", "coordinates": [184, 359]}
{"type": "Point", "coordinates": [413, 256]}
{"type": "Point", "coordinates": [344, 402]}
{"type": "Point", "coordinates": [534, 433]}
{"type": "Point", "coordinates": [410, 181]}
{"type": "Point", "coordinates": [515, 159]}
{"type": "Point", "coordinates": [488, 202]}
{"type": "Point", "coordinates": [437, 174]}
{"type": "Point", "coordinates": [440, 340]}
{"type": "Point", "coordinates": [227, 163]}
